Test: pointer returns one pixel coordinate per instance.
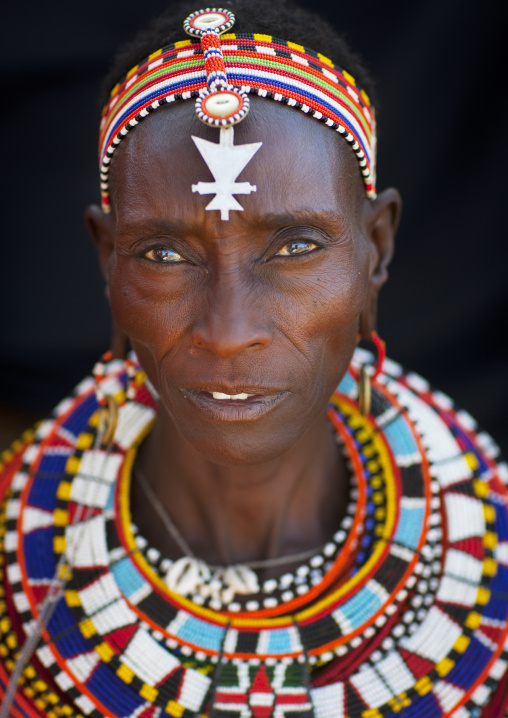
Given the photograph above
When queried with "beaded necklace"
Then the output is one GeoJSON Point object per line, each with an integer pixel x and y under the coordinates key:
{"type": "Point", "coordinates": [410, 619]}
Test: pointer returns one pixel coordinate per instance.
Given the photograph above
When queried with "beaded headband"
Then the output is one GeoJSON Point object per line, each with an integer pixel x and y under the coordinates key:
{"type": "Point", "coordinates": [220, 72]}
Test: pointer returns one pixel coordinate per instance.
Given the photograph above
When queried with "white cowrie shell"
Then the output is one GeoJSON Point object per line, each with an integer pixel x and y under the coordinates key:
{"type": "Point", "coordinates": [183, 576]}
{"type": "Point", "coordinates": [221, 104]}
{"type": "Point", "coordinates": [241, 579]}
{"type": "Point", "coordinates": [209, 20]}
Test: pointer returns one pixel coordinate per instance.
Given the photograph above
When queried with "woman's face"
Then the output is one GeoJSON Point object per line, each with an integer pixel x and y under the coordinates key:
{"type": "Point", "coordinates": [266, 303]}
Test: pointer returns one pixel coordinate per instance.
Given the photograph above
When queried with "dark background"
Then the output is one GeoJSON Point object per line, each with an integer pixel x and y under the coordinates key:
{"type": "Point", "coordinates": [441, 72]}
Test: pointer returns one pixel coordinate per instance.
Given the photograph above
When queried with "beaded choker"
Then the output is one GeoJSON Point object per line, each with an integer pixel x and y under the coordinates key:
{"type": "Point", "coordinates": [410, 620]}
{"type": "Point", "coordinates": [220, 74]}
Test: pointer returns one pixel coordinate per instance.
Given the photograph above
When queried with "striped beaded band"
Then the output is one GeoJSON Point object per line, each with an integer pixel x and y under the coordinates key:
{"type": "Point", "coordinates": [259, 64]}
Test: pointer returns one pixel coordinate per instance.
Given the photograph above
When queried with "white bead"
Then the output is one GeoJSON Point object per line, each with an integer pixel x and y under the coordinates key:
{"type": "Point", "coordinates": [286, 580]}
{"type": "Point", "coordinates": [340, 536]}
{"type": "Point", "coordinates": [270, 585]}
{"type": "Point", "coordinates": [270, 602]}
{"type": "Point", "coordinates": [329, 549]}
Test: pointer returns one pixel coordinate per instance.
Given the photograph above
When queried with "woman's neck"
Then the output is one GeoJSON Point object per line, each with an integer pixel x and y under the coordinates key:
{"type": "Point", "coordinates": [234, 514]}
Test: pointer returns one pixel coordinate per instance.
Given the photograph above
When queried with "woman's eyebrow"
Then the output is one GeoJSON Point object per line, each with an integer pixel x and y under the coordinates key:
{"type": "Point", "coordinates": [152, 226]}
{"type": "Point", "coordinates": [325, 219]}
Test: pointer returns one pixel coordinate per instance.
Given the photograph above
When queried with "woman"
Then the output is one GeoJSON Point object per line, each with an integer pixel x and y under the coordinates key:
{"type": "Point", "coordinates": [201, 530]}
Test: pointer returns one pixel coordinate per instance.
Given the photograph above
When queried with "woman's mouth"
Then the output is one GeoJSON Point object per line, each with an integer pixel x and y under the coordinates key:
{"type": "Point", "coordinates": [241, 404]}
{"type": "Point", "coordinates": [222, 397]}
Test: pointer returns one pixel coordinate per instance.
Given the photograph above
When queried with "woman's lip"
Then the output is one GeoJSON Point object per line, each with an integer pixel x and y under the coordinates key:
{"type": "Point", "coordinates": [234, 409]}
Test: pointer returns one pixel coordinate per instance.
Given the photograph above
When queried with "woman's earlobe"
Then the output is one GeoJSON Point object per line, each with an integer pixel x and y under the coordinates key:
{"type": "Point", "coordinates": [101, 228]}
{"type": "Point", "coordinates": [384, 218]}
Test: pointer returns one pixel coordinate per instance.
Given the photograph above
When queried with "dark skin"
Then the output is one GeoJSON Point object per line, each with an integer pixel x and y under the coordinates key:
{"type": "Point", "coordinates": [268, 303]}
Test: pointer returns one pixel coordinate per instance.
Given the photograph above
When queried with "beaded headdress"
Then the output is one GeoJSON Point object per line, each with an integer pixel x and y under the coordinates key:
{"type": "Point", "coordinates": [220, 69]}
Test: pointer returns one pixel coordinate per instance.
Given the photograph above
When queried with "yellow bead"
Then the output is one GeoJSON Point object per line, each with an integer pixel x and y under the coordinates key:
{"type": "Point", "coordinates": [366, 98]}
{"type": "Point", "coordinates": [87, 628]}
{"type": "Point", "coordinates": [481, 489]}
{"type": "Point", "coordinates": [72, 598]}
{"type": "Point", "coordinates": [105, 651]}
{"type": "Point", "coordinates": [149, 693]}
{"type": "Point", "coordinates": [490, 567]}
{"type": "Point", "coordinates": [64, 491]}
{"type": "Point", "coordinates": [490, 513]}
{"type": "Point", "coordinates": [349, 77]}
{"type": "Point", "coordinates": [490, 540]}
{"type": "Point", "coordinates": [84, 441]}
{"type": "Point", "coordinates": [174, 709]}
{"type": "Point", "coordinates": [472, 461]}
{"type": "Point", "coordinates": [423, 686]}
{"type": "Point", "coordinates": [444, 666]}
{"type": "Point", "coordinates": [473, 621]}
{"type": "Point", "coordinates": [125, 673]}
{"type": "Point", "coordinates": [483, 596]}
{"type": "Point", "coordinates": [59, 544]}
{"type": "Point", "coordinates": [72, 465]}
{"type": "Point", "coordinates": [325, 60]}
{"type": "Point", "coordinates": [30, 672]}
{"type": "Point", "coordinates": [461, 643]}
{"type": "Point", "coordinates": [61, 517]}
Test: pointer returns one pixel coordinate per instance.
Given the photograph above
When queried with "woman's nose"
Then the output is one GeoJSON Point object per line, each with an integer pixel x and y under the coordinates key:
{"type": "Point", "coordinates": [233, 321]}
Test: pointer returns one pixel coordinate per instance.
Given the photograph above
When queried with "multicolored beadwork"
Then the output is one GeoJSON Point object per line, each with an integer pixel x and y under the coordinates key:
{"type": "Point", "coordinates": [219, 104]}
{"type": "Point", "coordinates": [409, 620]}
{"type": "Point", "coordinates": [252, 63]}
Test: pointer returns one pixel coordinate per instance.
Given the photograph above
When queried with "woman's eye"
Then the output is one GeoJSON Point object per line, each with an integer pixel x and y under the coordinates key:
{"type": "Point", "coordinates": [164, 255]}
{"type": "Point", "coordinates": [291, 249]}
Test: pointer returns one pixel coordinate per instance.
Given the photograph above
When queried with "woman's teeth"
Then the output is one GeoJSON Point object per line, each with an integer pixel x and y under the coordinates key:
{"type": "Point", "coordinates": [220, 395]}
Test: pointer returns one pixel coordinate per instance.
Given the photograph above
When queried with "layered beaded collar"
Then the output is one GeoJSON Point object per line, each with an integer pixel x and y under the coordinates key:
{"type": "Point", "coordinates": [410, 618]}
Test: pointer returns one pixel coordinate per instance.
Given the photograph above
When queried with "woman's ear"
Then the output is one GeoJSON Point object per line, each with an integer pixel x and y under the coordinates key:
{"type": "Point", "coordinates": [381, 222]}
{"type": "Point", "coordinates": [101, 228]}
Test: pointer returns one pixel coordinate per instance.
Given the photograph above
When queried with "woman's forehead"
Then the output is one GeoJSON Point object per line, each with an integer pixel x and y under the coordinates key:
{"type": "Point", "coordinates": [299, 166]}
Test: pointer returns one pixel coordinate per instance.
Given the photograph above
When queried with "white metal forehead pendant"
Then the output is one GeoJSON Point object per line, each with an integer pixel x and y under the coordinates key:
{"type": "Point", "coordinates": [225, 161]}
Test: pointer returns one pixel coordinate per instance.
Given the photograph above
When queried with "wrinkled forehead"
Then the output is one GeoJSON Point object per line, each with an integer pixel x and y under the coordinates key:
{"type": "Point", "coordinates": [300, 165]}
